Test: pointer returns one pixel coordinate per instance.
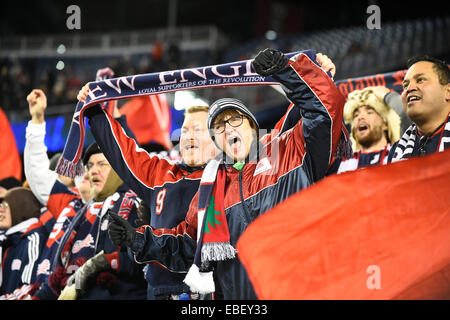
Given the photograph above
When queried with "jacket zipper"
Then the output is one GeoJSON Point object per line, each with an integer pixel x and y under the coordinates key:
{"type": "Point", "coordinates": [247, 214]}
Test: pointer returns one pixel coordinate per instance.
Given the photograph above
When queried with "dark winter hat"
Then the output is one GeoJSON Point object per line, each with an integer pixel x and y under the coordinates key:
{"type": "Point", "coordinates": [227, 103]}
{"type": "Point", "coordinates": [23, 204]}
{"type": "Point", "coordinates": [93, 148]}
{"type": "Point", "coordinates": [54, 161]}
{"type": "Point", "coordinates": [9, 183]}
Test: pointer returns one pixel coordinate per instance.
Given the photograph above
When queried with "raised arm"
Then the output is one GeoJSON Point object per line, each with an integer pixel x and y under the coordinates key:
{"type": "Point", "coordinates": [321, 104]}
{"type": "Point", "coordinates": [41, 179]}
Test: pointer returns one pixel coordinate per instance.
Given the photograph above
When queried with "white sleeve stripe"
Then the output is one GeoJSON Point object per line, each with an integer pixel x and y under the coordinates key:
{"type": "Point", "coordinates": [33, 253]}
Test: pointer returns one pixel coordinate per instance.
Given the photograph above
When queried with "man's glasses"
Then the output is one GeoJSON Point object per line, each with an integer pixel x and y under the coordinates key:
{"type": "Point", "coordinates": [234, 121]}
{"type": "Point", "coordinates": [4, 204]}
{"type": "Point", "coordinates": [422, 143]}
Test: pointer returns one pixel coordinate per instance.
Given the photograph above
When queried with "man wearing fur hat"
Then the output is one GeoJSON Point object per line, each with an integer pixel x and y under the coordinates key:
{"type": "Point", "coordinates": [22, 241]}
{"type": "Point", "coordinates": [375, 127]}
{"type": "Point", "coordinates": [80, 231]}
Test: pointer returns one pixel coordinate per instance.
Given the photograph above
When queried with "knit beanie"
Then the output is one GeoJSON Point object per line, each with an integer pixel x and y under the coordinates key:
{"type": "Point", "coordinates": [54, 161]}
{"type": "Point", "coordinates": [221, 105]}
{"type": "Point", "coordinates": [23, 205]}
{"type": "Point", "coordinates": [9, 183]}
{"type": "Point", "coordinates": [93, 148]}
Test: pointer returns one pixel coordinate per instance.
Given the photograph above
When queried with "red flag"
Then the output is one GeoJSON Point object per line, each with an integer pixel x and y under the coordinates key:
{"type": "Point", "coordinates": [149, 119]}
{"type": "Point", "coordinates": [377, 233]}
{"type": "Point", "coordinates": [10, 162]}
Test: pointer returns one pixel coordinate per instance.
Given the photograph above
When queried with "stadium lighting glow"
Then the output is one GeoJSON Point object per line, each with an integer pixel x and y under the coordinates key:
{"type": "Point", "coordinates": [60, 65]}
{"type": "Point", "coordinates": [187, 98]}
{"type": "Point", "coordinates": [271, 35]}
{"type": "Point", "coordinates": [61, 49]}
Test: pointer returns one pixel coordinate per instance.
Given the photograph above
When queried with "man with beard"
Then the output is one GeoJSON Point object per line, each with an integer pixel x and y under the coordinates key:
{"type": "Point", "coordinates": [375, 126]}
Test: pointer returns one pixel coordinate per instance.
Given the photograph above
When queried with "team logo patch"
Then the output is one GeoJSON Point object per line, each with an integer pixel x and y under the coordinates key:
{"type": "Point", "coordinates": [85, 243]}
{"type": "Point", "coordinates": [44, 267]}
{"type": "Point", "coordinates": [114, 264]}
{"type": "Point", "coordinates": [15, 265]}
{"type": "Point", "coordinates": [262, 166]}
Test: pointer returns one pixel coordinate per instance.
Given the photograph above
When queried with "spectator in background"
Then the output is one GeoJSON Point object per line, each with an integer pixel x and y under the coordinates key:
{"type": "Point", "coordinates": [84, 187]}
{"type": "Point", "coordinates": [426, 101]}
{"type": "Point", "coordinates": [375, 126]}
{"type": "Point", "coordinates": [80, 185]}
{"type": "Point", "coordinates": [23, 240]}
{"type": "Point", "coordinates": [83, 222]}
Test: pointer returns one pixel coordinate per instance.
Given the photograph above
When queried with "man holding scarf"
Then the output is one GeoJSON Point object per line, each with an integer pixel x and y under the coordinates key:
{"type": "Point", "coordinates": [253, 176]}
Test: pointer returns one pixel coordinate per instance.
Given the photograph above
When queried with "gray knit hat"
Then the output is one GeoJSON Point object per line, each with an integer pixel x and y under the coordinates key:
{"type": "Point", "coordinates": [221, 105]}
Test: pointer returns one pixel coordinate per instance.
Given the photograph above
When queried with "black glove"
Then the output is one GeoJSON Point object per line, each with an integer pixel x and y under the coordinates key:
{"type": "Point", "coordinates": [120, 230]}
{"type": "Point", "coordinates": [269, 61]}
{"type": "Point", "coordinates": [143, 213]}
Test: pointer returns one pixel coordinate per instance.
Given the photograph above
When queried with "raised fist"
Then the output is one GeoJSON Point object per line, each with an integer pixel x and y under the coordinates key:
{"type": "Point", "coordinates": [269, 61]}
{"type": "Point", "coordinates": [37, 103]}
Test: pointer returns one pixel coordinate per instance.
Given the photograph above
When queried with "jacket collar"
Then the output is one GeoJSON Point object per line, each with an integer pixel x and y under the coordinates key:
{"type": "Point", "coordinates": [21, 227]}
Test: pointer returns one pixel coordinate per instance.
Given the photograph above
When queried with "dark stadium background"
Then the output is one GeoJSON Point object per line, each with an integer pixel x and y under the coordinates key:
{"type": "Point", "coordinates": [242, 25]}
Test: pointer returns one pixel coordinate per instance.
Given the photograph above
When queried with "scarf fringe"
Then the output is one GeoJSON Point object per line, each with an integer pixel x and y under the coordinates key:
{"type": "Point", "coordinates": [217, 251]}
{"type": "Point", "coordinates": [199, 282]}
{"type": "Point", "coordinates": [69, 169]}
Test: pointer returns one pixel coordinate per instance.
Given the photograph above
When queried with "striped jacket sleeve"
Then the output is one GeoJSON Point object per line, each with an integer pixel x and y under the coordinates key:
{"type": "Point", "coordinates": [321, 106]}
{"type": "Point", "coordinates": [134, 165]}
{"type": "Point", "coordinates": [172, 249]}
{"type": "Point", "coordinates": [33, 250]}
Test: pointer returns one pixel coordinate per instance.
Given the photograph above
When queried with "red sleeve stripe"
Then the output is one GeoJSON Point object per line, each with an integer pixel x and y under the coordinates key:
{"type": "Point", "coordinates": [325, 91]}
{"type": "Point", "coordinates": [150, 171]}
{"type": "Point", "coordinates": [180, 230]}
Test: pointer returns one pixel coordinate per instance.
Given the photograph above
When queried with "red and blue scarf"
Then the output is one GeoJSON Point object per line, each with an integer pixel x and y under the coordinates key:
{"type": "Point", "coordinates": [213, 235]}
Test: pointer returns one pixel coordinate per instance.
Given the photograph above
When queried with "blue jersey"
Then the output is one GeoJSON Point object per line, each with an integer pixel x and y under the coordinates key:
{"type": "Point", "coordinates": [87, 235]}
{"type": "Point", "coordinates": [20, 250]}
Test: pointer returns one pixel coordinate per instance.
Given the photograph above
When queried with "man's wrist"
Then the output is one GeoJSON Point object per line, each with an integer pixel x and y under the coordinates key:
{"type": "Point", "coordinates": [37, 119]}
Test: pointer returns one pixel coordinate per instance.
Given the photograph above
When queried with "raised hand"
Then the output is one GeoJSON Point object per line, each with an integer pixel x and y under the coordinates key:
{"type": "Point", "coordinates": [37, 103]}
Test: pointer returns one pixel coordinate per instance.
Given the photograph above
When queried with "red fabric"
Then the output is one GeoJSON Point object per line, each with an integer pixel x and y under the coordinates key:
{"type": "Point", "coordinates": [325, 90]}
{"type": "Point", "coordinates": [216, 226]}
{"type": "Point", "coordinates": [149, 119]}
{"type": "Point", "coordinates": [10, 162]}
{"type": "Point", "coordinates": [386, 225]}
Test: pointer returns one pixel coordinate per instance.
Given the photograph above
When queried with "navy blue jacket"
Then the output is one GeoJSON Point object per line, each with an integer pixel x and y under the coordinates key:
{"type": "Point", "coordinates": [20, 249]}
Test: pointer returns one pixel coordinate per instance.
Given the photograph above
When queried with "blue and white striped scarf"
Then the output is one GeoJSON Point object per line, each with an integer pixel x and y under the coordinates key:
{"type": "Point", "coordinates": [238, 73]}
{"type": "Point", "coordinates": [405, 146]}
